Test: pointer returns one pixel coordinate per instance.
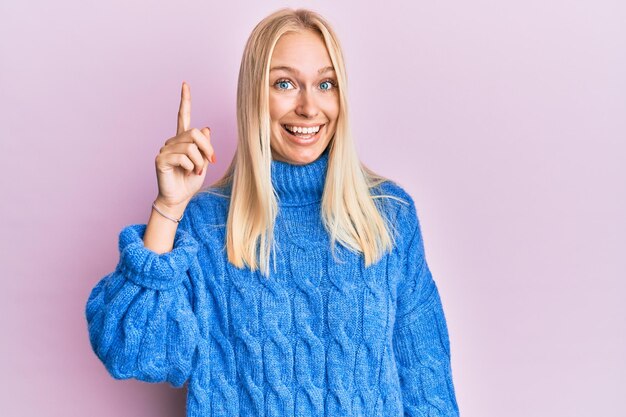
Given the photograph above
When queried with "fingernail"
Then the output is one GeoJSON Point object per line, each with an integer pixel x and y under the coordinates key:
{"type": "Point", "coordinates": [213, 159]}
{"type": "Point", "coordinates": [200, 173]}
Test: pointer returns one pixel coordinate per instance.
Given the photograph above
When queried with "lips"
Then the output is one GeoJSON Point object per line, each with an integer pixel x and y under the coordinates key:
{"type": "Point", "coordinates": [302, 140]}
{"type": "Point", "coordinates": [321, 125]}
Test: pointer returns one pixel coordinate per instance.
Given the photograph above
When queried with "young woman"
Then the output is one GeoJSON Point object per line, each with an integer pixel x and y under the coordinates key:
{"type": "Point", "coordinates": [297, 284]}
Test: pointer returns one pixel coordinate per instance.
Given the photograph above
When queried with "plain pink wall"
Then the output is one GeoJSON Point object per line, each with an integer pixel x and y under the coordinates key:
{"type": "Point", "coordinates": [506, 121]}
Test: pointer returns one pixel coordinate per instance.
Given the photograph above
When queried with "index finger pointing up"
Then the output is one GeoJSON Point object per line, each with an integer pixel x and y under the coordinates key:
{"type": "Point", "coordinates": [184, 112]}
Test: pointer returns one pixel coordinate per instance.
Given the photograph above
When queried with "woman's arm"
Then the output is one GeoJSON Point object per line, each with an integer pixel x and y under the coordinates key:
{"type": "Point", "coordinates": [420, 337]}
{"type": "Point", "coordinates": [141, 317]}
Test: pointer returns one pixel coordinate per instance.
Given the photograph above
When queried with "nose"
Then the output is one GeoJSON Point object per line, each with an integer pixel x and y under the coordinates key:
{"type": "Point", "coordinates": [306, 106]}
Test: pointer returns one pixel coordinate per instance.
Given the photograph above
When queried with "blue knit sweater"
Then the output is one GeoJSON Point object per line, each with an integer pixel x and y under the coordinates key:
{"type": "Point", "coordinates": [318, 338]}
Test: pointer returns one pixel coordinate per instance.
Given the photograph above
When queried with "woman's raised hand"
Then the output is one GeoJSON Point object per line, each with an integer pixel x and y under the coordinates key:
{"type": "Point", "coordinates": [182, 161]}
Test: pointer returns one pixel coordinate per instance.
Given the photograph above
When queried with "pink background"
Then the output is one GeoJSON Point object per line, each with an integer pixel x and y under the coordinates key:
{"type": "Point", "coordinates": [505, 120]}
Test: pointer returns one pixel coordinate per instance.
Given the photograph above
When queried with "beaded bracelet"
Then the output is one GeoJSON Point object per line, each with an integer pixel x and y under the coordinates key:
{"type": "Point", "coordinates": [165, 215]}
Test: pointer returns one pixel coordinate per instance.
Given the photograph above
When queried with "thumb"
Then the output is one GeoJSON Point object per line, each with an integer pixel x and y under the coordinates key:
{"type": "Point", "coordinates": [210, 152]}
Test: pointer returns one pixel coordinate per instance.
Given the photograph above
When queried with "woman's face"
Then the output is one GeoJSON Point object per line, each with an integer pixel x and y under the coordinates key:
{"type": "Point", "coordinates": [303, 95]}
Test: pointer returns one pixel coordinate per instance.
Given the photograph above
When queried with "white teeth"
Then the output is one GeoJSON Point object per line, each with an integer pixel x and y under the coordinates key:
{"type": "Point", "coordinates": [304, 130]}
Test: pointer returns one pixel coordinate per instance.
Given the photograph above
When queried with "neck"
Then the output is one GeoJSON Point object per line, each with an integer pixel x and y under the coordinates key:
{"type": "Point", "coordinates": [297, 185]}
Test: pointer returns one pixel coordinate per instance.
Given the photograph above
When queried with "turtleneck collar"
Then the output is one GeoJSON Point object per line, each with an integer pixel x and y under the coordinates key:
{"type": "Point", "coordinates": [297, 185]}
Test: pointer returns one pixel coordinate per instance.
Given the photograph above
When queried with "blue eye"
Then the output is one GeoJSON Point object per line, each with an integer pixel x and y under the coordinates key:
{"type": "Point", "coordinates": [282, 84]}
{"type": "Point", "coordinates": [331, 84]}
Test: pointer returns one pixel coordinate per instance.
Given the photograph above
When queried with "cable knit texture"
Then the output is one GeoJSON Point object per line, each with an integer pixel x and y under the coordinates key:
{"type": "Point", "coordinates": [320, 337]}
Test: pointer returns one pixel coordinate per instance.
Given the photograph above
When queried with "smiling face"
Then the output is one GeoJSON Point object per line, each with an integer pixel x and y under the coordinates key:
{"type": "Point", "coordinates": [303, 99]}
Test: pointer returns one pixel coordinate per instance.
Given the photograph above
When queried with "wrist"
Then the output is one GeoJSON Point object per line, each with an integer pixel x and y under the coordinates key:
{"type": "Point", "coordinates": [173, 213]}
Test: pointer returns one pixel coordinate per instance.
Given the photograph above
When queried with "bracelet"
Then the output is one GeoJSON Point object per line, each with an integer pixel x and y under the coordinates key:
{"type": "Point", "coordinates": [165, 215]}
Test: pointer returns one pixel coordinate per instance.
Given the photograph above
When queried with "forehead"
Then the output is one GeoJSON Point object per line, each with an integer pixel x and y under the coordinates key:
{"type": "Point", "coordinates": [301, 52]}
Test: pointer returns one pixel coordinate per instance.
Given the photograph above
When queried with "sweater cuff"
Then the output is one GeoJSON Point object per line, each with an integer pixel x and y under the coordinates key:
{"type": "Point", "coordinates": [149, 269]}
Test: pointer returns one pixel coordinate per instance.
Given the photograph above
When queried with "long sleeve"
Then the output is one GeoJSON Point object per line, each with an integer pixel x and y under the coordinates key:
{"type": "Point", "coordinates": [140, 317]}
{"type": "Point", "coordinates": [420, 338]}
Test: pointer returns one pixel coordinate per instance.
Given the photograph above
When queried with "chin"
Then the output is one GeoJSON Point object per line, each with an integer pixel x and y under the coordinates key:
{"type": "Point", "coordinates": [302, 157]}
{"type": "Point", "coordinates": [298, 157]}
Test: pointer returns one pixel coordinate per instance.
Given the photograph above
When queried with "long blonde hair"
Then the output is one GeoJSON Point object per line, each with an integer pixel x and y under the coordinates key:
{"type": "Point", "coordinates": [349, 212]}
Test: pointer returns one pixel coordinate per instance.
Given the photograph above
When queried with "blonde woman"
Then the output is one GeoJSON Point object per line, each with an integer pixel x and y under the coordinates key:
{"type": "Point", "coordinates": [297, 284]}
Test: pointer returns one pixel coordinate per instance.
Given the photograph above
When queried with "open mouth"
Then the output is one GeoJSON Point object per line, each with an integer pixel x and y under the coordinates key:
{"type": "Point", "coordinates": [303, 136]}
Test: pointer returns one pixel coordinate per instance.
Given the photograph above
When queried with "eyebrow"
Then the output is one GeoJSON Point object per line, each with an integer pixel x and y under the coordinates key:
{"type": "Point", "coordinates": [293, 70]}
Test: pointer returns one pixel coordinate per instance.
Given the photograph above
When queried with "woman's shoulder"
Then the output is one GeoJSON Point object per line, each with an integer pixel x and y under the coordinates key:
{"type": "Point", "coordinates": [398, 207]}
{"type": "Point", "coordinates": [210, 202]}
{"type": "Point", "coordinates": [392, 189]}
{"type": "Point", "coordinates": [213, 195]}
{"type": "Point", "coordinates": [394, 197]}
